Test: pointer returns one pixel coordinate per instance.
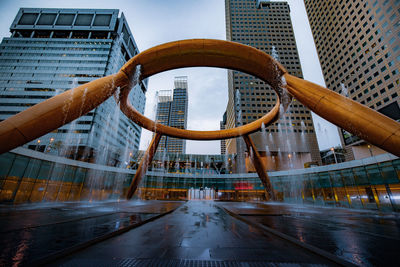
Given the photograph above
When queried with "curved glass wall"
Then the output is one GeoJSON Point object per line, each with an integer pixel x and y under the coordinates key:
{"type": "Point", "coordinates": [31, 176]}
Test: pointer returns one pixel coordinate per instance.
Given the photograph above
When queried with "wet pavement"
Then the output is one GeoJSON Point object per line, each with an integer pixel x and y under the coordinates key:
{"type": "Point", "coordinates": [365, 238]}
{"type": "Point", "coordinates": [199, 233]}
{"type": "Point", "coordinates": [33, 232]}
{"type": "Point", "coordinates": [194, 233]}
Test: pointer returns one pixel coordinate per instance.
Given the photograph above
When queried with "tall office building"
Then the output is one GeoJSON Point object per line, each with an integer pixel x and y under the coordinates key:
{"type": "Point", "coordinates": [222, 126]}
{"type": "Point", "coordinates": [358, 44]}
{"type": "Point", "coordinates": [53, 50]}
{"type": "Point", "coordinates": [164, 100]}
{"type": "Point", "coordinates": [172, 110]}
{"type": "Point", "coordinates": [291, 141]}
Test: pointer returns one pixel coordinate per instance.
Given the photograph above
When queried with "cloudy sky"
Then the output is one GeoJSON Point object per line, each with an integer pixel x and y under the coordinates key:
{"type": "Point", "coordinates": [154, 22]}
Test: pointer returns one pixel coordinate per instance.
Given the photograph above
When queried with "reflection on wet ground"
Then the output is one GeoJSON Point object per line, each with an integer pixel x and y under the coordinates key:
{"type": "Point", "coordinates": [32, 232]}
{"type": "Point", "coordinates": [197, 233]}
{"type": "Point", "coordinates": [365, 238]}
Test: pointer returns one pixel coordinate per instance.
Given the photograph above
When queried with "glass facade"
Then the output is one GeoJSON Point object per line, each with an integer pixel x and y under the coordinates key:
{"type": "Point", "coordinates": [365, 184]}
{"type": "Point", "coordinates": [172, 110]}
{"type": "Point", "coordinates": [51, 51]}
{"type": "Point", "coordinates": [31, 176]}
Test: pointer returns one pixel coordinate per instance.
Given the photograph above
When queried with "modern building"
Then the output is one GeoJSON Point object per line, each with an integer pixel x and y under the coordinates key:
{"type": "Point", "coordinates": [164, 100]}
{"type": "Point", "coordinates": [222, 125]}
{"type": "Point", "coordinates": [291, 141]}
{"type": "Point", "coordinates": [54, 50]}
{"type": "Point", "coordinates": [333, 155]}
{"type": "Point", "coordinates": [358, 44]}
{"type": "Point", "coordinates": [172, 110]}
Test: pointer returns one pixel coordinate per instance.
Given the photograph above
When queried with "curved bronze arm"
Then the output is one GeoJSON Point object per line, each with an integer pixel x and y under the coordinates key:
{"type": "Point", "coordinates": [358, 119]}
{"type": "Point", "coordinates": [51, 114]}
{"type": "Point", "coordinates": [57, 111]}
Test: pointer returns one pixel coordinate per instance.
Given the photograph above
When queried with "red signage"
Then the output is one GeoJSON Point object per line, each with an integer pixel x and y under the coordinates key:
{"type": "Point", "coordinates": [242, 185]}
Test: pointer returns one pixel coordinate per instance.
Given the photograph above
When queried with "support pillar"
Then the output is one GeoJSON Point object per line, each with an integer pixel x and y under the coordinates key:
{"type": "Point", "coordinates": [144, 164]}
{"type": "Point", "coordinates": [260, 168]}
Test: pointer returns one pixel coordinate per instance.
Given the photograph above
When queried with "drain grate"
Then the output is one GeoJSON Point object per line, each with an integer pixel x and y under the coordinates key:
{"type": "Point", "coordinates": [180, 263]}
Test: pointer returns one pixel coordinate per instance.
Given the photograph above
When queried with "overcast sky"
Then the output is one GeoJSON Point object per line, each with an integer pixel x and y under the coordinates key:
{"type": "Point", "coordinates": [154, 22]}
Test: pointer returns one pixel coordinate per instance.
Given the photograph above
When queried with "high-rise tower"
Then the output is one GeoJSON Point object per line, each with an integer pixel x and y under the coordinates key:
{"type": "Point", "coordinates": [54, 50]}
{"type": "Point", "coordinates": [222, 127]}
{"type": "Point", "coordinates": [291, 141]}
{"type": "Point", "coordinates": [358, 44]}
{"type": "Point", "coordinates": [172, 109]}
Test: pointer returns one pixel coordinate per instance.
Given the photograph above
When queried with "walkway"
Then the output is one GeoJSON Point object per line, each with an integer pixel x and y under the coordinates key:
{"type": "Point", "coordinates": [197, 233]}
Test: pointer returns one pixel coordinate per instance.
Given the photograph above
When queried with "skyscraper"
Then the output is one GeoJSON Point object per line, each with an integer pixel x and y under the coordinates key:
{"type": "Point", "coordinates": [164, 100]}
{"type": "Point", "coordinates": [222, 125]}
{"type": "Point", "coordinates": [172, 110]}
{"type": "Point", "coordinates": [54, 50]}
{"type": "Point", "coordinates": [358, 44]}
{"type": "Point", "coordinates": [291, 141]}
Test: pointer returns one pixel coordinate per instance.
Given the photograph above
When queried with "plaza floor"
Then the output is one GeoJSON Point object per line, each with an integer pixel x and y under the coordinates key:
{"type": "Point", "coordinates": [195, 233]}
{"type": "Point", "coordinates": [362, 237]}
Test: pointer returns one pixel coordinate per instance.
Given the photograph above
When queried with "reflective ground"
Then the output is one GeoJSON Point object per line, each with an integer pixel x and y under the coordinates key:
{"type": "Point", "coordinates": [31, 233]}
{"type": "Point", "coordinates": [198, 230]}
{"type": "Point", "coordinates": [195, 233]}
{"type": "Point", "coordinates": [365, 238]}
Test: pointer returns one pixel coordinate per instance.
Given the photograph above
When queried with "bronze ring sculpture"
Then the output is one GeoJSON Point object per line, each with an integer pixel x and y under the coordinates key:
{"type": "Point", "coordinates": [196, 53]}
{"type": "Point", "coordinates": [345, 113]}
